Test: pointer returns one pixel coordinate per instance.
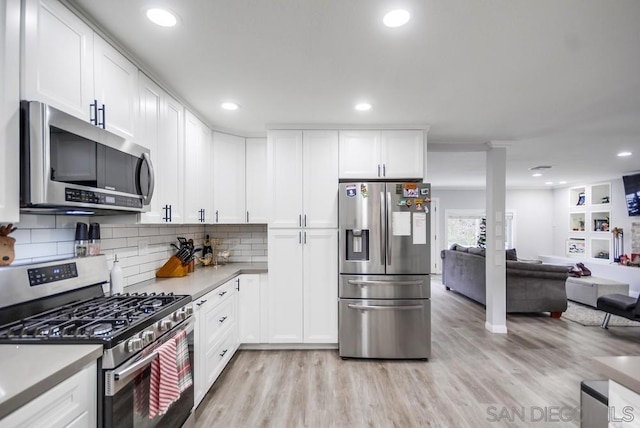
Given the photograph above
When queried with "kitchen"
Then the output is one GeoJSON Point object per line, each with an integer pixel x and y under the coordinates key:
{"type": "Point", "coordinates": [268, 200]}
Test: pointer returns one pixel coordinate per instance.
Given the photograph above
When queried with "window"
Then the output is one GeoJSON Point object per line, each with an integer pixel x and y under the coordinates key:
{"type": "Point", "coordinates": [464, 228]}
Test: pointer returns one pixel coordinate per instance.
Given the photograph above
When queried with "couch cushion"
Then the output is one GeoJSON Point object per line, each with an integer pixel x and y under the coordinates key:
{"type": "Point", "coordinates": [511, 254]}
{"type": "Point", "coordinates": [457, 247]}
{"type": "Point", "coordinates": [477, 251]}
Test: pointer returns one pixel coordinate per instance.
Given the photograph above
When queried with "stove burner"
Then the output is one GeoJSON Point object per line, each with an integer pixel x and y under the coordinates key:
{"type": "Point", "coordinates": [151, 306]}
{"type": "Point", "coordinates": [100, 329]}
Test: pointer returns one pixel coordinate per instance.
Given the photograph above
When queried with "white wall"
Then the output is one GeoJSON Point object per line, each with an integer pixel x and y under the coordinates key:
{"type": "Point", "coordinates": [533, 215]}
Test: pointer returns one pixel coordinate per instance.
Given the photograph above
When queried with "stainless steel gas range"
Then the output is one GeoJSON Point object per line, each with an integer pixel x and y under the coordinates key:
{"type": "Point", "coordinates": [63, 302]}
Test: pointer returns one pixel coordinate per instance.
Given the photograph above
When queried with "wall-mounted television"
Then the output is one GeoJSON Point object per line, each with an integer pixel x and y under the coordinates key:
{"type": "Point", "coordinates": [632, 193]}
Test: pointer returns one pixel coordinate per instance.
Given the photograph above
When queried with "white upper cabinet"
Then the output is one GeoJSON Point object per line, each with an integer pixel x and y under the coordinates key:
{"type": "Point", "coordinates": [382, 154]}
{"type": "Point", "coordinates": [57, 53]}
{"type": "Point", "coordinates": [303, 170]}
{"type": "Point", "coordinates": [256, 200]}
{"type": "Point", "coordinates": [284, 154]}
{"type": "Point", "coordinates": [68, 66]}
{"type": "Point", "coordinates": [161, 129]}
{"type": "Point", "coordinates": [229, 181]}
{"type": "Point", "coordinates": [9, 113]}
{"type": "Point", "coordinates": [198, 178]}
{"type": "Point", "coordinates": [115, 88]}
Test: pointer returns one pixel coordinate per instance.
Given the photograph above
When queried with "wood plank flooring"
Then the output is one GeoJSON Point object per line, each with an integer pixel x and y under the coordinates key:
{"type": "Point", "coordinates": [529, 377]}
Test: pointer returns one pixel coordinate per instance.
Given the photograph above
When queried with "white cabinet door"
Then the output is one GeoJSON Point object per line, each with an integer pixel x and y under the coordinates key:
{"type": "Point", "coordinates": [198, 180]}
{"type": "Point", "coordinates": [68, 404]}
{"type": "Point", "coordinates": [116, 89]}
{"type": "Point", "coordinates": [150, 96]}
{"type": "Point", "coordinates": [360, 154]}
{"type": "Point", "coordinates": [9, 113]}
{"type": "Point", "coordinates": [284, 153]}
{"type": "Point", "coordinates": [257, 198]}
{"type": "Point", "coordinates": [199, 351]}
{"type": "Point", "coordinates": [320, 179]}
{"type": "Point", "coordinates": [57, 52]}
{"type": "Point", "coordinates": [402, 154]}
{"type": "Point", "coordinates": [249, 309]}
{"type": "Point", "coordinates": [285, 286]}
{"type": "Point", "coordinates": [320, 285]}
{"type": "Point", "coordinates": [229, 178]}
{"type": "Point", "coordinates": [171, 158]}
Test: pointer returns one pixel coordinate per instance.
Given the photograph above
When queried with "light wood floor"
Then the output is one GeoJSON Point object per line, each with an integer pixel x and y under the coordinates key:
{"type": "Point", "coordinates": [473, 379]}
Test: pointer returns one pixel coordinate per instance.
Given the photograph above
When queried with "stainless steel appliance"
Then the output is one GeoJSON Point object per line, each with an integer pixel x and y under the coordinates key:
{"type": "Point", "coordinates": [384, 306]}
{"type": "Point", "coordinates": [71, 166]}
{"type": "Point", "coordinates": [63, 302]}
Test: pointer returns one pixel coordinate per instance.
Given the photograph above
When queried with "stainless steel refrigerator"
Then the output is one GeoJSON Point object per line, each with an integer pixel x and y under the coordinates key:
{"type": "Point", "coordinates": [384, 306]}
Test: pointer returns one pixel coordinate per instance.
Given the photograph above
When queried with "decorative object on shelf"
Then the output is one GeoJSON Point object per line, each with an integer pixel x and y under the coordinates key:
{"type": "Point", "coordinates": [601, 225]}
{"type": "Point", "coordinates": [618, 243]}
{"type": "Point", "coordinates": [581, 198]}
{"type": "Point", "coordinates": [7, 245]}
{"type": "Point", "coordinates": [575, 247]}
{"type": "Point", "coordinates": [482, 236]}
{"type": "Point", "coordinates": [602, 255]}
{"type": "Point", "coordinates": [605, 200]}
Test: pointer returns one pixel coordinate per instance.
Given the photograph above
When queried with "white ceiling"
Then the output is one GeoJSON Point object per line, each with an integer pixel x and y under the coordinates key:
{"type": "Point", "coordinates": [558, 80]}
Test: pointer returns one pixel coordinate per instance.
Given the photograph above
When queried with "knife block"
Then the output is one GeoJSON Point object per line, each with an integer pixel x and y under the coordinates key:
{"type": "Point", "coordinates": [173, 268]}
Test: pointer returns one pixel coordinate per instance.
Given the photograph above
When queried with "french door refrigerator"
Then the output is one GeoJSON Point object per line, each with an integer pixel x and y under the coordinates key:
{"type": "Point", "coordinates": [384, 291]}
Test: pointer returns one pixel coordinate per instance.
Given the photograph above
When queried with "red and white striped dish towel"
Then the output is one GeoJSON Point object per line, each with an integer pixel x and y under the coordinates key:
{"type": "Point", "coordinates": [185, 379]}
{"type": "Point", "coordinates": [164, 389]}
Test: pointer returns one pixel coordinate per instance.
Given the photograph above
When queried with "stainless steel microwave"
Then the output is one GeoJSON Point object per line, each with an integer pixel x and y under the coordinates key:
{"type": "Point", "coordinates": [70, 166]}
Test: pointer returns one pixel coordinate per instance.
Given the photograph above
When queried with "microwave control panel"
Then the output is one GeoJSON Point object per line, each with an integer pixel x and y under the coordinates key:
{"type": "Point", "coordinates": [98, 198]}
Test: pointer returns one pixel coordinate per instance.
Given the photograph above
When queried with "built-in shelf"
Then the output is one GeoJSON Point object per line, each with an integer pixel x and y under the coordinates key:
{"type": "Point", "coordinates": [578, 196]}
{"type": "Point", "coordinates": [600, 221]}
{"type": "Point", "coordinates": [577, 222]}
{"type": "Point", "coordinates": [600, 248]}
{"type": "Point", "coordinates": [601, 194]}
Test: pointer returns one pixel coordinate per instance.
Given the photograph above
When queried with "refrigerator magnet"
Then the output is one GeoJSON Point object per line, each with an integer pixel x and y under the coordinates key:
{"type": "Point", "coordinates": [351, 190]}
{"type": "Point", "coordinates": [424, 191]}
{"type": "Point", "coordinates": [402, 202]}
{"type": "Point", "coordinates": [419, 203]}
{"type": "Point", "coordinates": [363, 190]}
{"type": "Point", "coordinates": [398, 189]}
{"type": "Point", "coordinates": [409, 202]}
{"type": "Point", "coordinates": [410, 190]}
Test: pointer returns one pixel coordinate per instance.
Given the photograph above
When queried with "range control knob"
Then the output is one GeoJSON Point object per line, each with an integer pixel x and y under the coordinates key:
{"type": "Point", "coordinates": [189, 310]}
{"type": "Point", "coordinates": [133, 345]}
{"type": "Point", "coordinates": [148, 336]}
{"type": "Point", "coordinates": [179, 315]}
{"type": "Point", "coordinates": [164, 325]}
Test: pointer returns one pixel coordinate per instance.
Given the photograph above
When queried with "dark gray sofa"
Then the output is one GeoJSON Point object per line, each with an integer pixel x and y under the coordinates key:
{"type": "Point", "coordinates": [531, 287]}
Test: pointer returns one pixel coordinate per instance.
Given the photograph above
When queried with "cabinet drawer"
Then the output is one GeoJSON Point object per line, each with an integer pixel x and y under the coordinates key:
{"type": "Point", "coordinates": [218, 320]}
{"type": "Point", "coordinates": [219, 295]}
{"type": "Point", "coordinates": [218, 356]}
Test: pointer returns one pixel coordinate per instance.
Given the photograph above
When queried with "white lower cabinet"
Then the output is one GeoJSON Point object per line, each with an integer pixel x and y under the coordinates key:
{"type": "Point", "coordinates": [249, 308]}
{"type": "Point", "coordinates": [71, 403]}
{"type": "Point", "coordinates": [216, 335]}
{"type": "Point", "coordinates": [303, 285]}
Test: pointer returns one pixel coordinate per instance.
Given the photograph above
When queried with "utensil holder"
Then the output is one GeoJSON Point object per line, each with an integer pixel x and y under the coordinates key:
{"type": "Point", "coordinates": [172, 268]}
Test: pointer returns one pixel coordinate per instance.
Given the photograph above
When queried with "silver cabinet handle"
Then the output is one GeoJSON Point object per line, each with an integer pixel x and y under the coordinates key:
{"type": "Point", "coordinates": [305, 237]}
{"type": "Point", "coordinates": [216, 216]}
{"type": "Point", "coordinates": [305, 220]}
{"type": "Point", "coordinates": [300, 220]}
{"type": "Point", "coordinates": [384, 169]}
{"type": "Point", "coordinates": [364, 283]}
{"type": "Point", "coordinates": [378, 170]}
{"type": "Point", "coordinates": [247, 216]}
{"type": "Point", "coordinates": [299, 237]}
{"type": "Point", "coordinates": [385, 307]}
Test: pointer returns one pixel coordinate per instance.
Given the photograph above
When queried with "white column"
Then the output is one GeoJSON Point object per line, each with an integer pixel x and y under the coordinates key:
{"type": "Point", "coordinates": [495, 269]}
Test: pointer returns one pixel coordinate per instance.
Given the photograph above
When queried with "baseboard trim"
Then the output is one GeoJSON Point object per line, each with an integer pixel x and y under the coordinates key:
{"type": "Point", "coordinates": [287, 346]}
{"type": "Point", "coordinates": [500, 328]}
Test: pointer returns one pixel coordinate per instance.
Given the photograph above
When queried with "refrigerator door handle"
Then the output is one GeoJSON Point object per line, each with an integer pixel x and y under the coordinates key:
{"type": "Point", "coordinates": [385, 307]}
{"type": "Point", "coordinates": [388, 238]}
{"type": "Point", "coordinates": [382, 229]}
{"type": "Point", "coordinates": [364, 283]}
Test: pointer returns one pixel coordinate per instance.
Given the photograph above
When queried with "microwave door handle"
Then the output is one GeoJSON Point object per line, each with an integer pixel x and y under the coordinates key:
{"type": "Point", "coordinates": [152, 179]}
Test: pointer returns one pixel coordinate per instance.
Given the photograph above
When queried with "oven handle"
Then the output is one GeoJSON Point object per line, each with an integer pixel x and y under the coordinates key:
{"type": "Point", "coordinates": [127, 371]}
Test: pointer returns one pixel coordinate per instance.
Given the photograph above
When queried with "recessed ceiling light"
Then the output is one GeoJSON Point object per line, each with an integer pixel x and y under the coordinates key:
{"type": "Point", "coordinates": [396, 18]}
{"type": "Point", "coordinates": [363, 107]}
{"type": "Point", "coordinates": [624, 154]}
{"type": "Point", "coordinates": [230, 106]}
{"type": "Point", "coordinates": [162, 17]}
{"type": "Point", "coordinates": [562, 182]}
{"type": "Point", "coordinates": [549, 183]}
{"type": "Point", "coordinates": [537, 174]}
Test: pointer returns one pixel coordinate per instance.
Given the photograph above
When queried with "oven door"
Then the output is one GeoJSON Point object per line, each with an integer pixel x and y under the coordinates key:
{"type": "Point", "coordinates": [127, 390]}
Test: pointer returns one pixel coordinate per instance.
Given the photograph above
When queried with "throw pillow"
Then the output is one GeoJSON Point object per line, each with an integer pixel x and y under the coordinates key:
{"type": "Point", "coordinates": [461, 248]}
{"type": "Point", "coordinates": [511, 254]}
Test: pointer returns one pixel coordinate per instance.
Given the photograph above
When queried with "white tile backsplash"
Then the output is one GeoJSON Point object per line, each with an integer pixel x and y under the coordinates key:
{"type": "Point", "coordinates": [141, 249]}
